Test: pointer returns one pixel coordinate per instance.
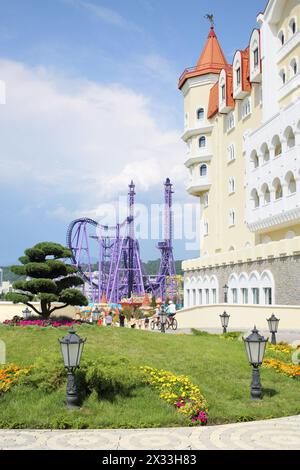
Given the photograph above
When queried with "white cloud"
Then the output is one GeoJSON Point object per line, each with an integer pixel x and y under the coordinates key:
{"type": "Point", "coordinates": [67, 136]}
{"type": "Point", "coordinates": [101, 13]}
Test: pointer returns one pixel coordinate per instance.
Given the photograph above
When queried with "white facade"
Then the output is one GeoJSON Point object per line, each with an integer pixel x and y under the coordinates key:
{"type": "Point", "coordinates": [273, 162]}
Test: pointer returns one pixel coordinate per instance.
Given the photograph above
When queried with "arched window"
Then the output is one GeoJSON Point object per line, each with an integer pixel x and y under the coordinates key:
{"type": "Point", "coordinates": [266, 193]}
{"type": "Point", "coordinates": [292, 26]}
{"type": "Point", "coordinates": [265, 152]}
{"type": "Point", "coordinates": [294, 67]}
{"type": "Point", "coordinates": [291, 182]}
{"type": "Point", "coordinates": [254, 159]}
{"type": "Point", "coordinates": [267, 287]}
{"type": "Point", "coordinates": [254, 287]}
{"type": "Point", "coordinates": [255, 198]}
{"type": "Point", "coordinates": [290, 137]}
{"type": "Point", "coordinates": [200, 114]}
{"type": "Point", "coordinates": [202, 142]}
{"type": "Point", "coordinates": [203, 170]}
{"type": "Point", "coordinates": [277, 146]}
{"type": "Point", "coordinates": [231, 217]}
{"type": "Point", "coordinates": [282, 76]}
{"type": "Point", "coordinates": [281, 37]}
{"type": "Point", "coordinates": [278, 188]}
{"type": "Point", "coordinates": [231, 185]}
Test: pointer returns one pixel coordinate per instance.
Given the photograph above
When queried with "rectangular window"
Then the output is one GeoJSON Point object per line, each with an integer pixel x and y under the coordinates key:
{"type": "Point", "coordinates": [207, 296]}
{"type": "Point", "coordinates": [200, 297]}
{"type": "Point", "coordinates": [268, 295]}
{"type": "Point", "coordinates": [188, 297]}
{"type": "Point", "coordinates": [194, 297]}
{"type": "Point", "coordinates": [238, 76]}
{"type": "Point", "coordinates": [234, 294]}
{"type": "Point", "coordinates": [231, 153]}
{"type": "Point", "coordinates": [255, 296]}
{"type": "Point", "coordinates": [214, 296]}
{"type": "Point", "coordinates": [256, 57]}
{"type": "Point", "coordinates": [230, 122]}
{"type": "Point", "coordinates": [205, 228]}
{"type": "Point", "coordinates": [223, 93]}
{"type": "Point", "coordinates": [246, 107]}
{"type": "Point", "coordinates": [245, 296]}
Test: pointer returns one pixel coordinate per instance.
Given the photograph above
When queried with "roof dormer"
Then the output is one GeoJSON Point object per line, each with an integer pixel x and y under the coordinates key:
{"type": "Point", "coordinates": [241, 85]}
{"type": "Point", "coordinates": [255, 57]}
{"type": "Point", "coordinates": [226, 103]}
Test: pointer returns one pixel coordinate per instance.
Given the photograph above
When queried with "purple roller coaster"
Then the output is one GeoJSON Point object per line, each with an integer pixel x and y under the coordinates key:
{"type": "Point", "coordinates": [118, 272]}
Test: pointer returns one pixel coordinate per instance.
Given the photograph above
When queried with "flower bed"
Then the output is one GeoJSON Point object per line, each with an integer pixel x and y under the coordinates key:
{"type": "Point", "coordinates": [41, 323]}
{"type": "Point", "coordinates": [280, 347]}
{"type": "Point", "coordinates": [291, 370]}
{"type": "Point", "coordinates": [10, 375]}
{"type": "Point", "coordinates": [179, 392]}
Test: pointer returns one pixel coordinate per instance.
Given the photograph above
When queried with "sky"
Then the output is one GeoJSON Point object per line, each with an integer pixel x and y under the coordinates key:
{"type": "Point", "coordinates": [91, 102]}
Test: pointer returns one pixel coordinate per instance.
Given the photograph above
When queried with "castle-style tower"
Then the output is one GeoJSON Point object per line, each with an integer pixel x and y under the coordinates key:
{"type": "Point", "coordinates": [196, 84]}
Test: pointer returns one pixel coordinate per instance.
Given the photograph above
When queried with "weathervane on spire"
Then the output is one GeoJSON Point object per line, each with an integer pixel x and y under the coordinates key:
{"type": "Point", "coordinates": [210, 17]}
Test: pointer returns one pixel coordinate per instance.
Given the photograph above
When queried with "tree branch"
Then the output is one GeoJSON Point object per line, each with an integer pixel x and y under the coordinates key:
{"type": "Point", "coordinates": [33, 308]}
{"type": "Point", "coordinates": [57, 308]}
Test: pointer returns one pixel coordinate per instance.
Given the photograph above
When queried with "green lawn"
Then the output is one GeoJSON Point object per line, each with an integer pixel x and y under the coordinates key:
{"type": "Point", "coordinates": [218, 366]}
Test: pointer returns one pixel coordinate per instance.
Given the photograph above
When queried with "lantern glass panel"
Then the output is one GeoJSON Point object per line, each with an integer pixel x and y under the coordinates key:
{"type": "Point", "coordinates": [273, 324]}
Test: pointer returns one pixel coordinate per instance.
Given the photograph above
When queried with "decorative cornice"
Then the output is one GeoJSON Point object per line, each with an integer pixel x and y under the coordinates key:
{"type": "Point", "coordinates": [275, 220]}
{"type": "Point", "coordinates": [196, 160]}
{"type": "Point", "coordinates": [192, 132]}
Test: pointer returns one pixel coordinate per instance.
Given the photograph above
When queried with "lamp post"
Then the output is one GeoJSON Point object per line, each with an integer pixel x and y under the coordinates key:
{"type": "Point", "coordinates": [26, 313]}
{"type": "Point", "coordinates": [273, 323]}
{"type": "Point", "coordinates": [163, 321]}
{"type": "Point", "coordinates": [71, 348]}
{"type": "Point", "coordinates": [225, 321]}
{"type": "Point", "coordinates": [225, 293]}
{"type": "Point", "coordinates": [96, 314]}
{"type": "Point", "coordinates": [255, 345]}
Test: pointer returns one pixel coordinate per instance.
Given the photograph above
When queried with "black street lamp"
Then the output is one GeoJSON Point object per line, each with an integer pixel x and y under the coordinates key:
{"type": "Point", "coordinates": [273, 323]}
{"type": "Point", "coordinates": [163, 321]}
{"type": "Point", "coordinates": [26, 313]}
{"type": "Point", "coordinates": [225, 293]}
{"type": "Point", "coordinates": [255, 345]}
{"type": "Point", "coordinates": [71, 348]}
{"type": "Point", "coordinates": [96, 314]}
{"type": "Point", "coordinates": [225, 321]}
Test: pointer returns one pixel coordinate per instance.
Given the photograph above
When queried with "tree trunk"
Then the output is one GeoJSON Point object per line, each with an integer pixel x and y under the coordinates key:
{"type": "Point", "coordinates": [45, 311]}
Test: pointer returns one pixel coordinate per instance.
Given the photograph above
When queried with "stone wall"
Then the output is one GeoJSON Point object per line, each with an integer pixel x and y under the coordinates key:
{"type": "Point", "coordinates": [8, 310]}
{"type": "Point", "coordinates": [285, 270]}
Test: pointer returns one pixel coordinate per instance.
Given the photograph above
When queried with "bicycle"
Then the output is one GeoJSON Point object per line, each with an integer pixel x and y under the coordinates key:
{"type": "Point", "coordinates": [155, 324]}
{"type": "Point", "coordinates": [172, 324]}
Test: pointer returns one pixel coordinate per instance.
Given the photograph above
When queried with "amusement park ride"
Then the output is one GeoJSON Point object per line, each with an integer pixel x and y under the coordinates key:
{"type": "Point", "coordinates": [118, 272]}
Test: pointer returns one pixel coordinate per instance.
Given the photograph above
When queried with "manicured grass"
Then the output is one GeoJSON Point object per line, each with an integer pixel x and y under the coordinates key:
{"type": "Point", "coordinates": [218, 366]}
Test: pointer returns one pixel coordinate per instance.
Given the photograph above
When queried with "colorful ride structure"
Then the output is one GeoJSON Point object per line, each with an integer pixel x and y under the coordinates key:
{"type": "Point", "coordinates": [116, 271]}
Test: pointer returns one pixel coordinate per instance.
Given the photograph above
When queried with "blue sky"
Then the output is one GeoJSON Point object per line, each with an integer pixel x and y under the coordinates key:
{"type": "Point", "coordinates": [92, 100]}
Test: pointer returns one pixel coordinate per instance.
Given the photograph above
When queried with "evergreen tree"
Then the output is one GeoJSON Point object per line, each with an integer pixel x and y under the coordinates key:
{"type": "Point", "coordinates": [49, 279]}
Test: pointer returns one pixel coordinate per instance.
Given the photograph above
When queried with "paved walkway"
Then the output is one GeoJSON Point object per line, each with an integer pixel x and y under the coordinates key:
{"type": "Point", "coordinates": [276, 434]}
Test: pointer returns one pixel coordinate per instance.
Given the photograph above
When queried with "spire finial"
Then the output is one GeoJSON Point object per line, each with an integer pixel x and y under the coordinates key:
{"type": "Point", "coordinates": [210, 18]}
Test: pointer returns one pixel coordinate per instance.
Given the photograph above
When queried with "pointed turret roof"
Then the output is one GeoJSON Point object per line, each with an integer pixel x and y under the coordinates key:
{"type": "Point", "coordinates": [212, 59]}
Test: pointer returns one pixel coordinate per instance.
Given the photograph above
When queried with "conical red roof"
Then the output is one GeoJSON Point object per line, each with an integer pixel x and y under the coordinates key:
{"type": "Point", "coordinates": [212, 59]}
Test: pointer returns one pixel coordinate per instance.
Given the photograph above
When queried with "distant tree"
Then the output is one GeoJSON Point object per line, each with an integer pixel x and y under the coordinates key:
{"type": "Point", "coordinates": [153, 301]}
{"type": "Point", "coordinates": [51, 279]}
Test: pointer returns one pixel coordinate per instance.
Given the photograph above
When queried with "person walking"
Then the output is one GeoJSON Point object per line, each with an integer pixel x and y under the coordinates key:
{"type": "Point", "coordinates": [108, 319]}
{"type": "Point", "coordinates": [122, 320]}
